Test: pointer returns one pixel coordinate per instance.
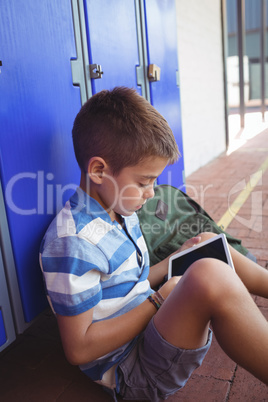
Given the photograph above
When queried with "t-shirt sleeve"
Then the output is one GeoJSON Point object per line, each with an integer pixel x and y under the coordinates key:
{"type": "Point", "coordinates": [72, 270]}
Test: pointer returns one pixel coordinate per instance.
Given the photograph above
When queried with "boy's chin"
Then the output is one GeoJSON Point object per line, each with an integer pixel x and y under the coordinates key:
{"type": "Point", "coordinates": [127, 212]}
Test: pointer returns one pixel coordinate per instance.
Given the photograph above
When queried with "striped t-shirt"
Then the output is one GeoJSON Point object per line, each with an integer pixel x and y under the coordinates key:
{"type": "Point", "coordinates": [90, 261]}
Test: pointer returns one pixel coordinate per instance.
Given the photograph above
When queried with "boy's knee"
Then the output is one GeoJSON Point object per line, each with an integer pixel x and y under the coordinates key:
{"type": "Point", "coordinates": [210, 279]}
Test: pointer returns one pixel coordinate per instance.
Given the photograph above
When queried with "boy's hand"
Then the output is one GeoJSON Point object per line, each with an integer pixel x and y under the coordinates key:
{"type": "Point", "coordinates": [189, 243]}
{"type": "Point", "coordinates": [167, 288]}
{"type": "Point", "coordinates": [160, 270]}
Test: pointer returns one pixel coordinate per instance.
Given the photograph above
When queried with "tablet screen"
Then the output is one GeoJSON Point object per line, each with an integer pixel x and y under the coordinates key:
{"type": "Point", "coordinates": [214, 249]}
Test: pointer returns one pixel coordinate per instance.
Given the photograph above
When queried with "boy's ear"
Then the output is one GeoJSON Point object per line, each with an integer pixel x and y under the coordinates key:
{"type": "Point", "coordinates": [96, 168]}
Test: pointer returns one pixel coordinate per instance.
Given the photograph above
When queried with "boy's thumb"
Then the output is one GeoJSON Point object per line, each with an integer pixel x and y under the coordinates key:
{"type": "Point", "coordinates": [190, 243]}
{"type": "Point", "coordinates": [195, 240]}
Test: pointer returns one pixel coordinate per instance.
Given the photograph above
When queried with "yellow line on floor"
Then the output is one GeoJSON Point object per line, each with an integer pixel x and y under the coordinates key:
{"type": "Point", "coordinates": [232, 211]}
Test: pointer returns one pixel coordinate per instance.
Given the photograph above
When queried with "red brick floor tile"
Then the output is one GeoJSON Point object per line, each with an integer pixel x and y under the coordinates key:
{"type": "Point", "coordinates": [201, 389]}
{"type": "Point", "coordinates": [247, 388]}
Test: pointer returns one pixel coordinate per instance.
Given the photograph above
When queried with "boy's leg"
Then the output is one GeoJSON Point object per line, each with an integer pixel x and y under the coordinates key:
{"type": "Point", "coordinates": [254, 277]}
{"type": "Point", "coordinates": [211, 292]}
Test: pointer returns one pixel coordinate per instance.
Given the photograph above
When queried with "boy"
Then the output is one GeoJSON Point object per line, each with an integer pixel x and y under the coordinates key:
{"type": "Point", "coordinates": [139, 343]}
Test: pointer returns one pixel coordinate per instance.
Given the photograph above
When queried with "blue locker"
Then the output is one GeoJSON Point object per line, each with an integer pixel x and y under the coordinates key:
{"type": "Point", "coordinates": [38, 104]}
{"type": "Point", "coordinates": [7, 329]}
{"type": "Point", "coordinates": [160, 17]}
{"type": "Point", "coordinates": [3, 337]}
{"type": "Point", "coordinates": [112, 42]}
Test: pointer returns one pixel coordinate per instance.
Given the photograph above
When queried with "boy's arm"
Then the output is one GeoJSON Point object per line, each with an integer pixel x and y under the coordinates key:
{"type": "Point", "coordinates": [84, 342]}
{"type": "Point", "coordinates": [158, 272]}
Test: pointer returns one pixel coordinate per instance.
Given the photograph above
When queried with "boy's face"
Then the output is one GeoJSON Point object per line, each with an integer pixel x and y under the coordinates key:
{"type": "Point", "coordinates": [126, 192]}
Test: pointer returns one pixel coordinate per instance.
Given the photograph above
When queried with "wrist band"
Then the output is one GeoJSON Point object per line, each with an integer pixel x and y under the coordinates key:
{"type": "Point", "coordinates": [154, 302]}
{"type": "Point", "coordinates": [159, 297]}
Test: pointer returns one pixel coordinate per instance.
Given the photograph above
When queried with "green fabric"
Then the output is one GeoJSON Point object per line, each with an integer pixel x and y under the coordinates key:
{"type": "Point", "coordinates": [171, 218]}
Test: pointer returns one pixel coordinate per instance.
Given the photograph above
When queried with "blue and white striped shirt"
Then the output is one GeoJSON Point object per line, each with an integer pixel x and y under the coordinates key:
{"type": "Point", "coordinates": [90, 261]}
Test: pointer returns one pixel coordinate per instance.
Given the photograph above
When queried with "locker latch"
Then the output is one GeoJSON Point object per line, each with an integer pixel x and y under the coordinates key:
{"type": "Point", "coordinates": [154, 72]}
{"type": "Point", "coordinates": [95, 71]}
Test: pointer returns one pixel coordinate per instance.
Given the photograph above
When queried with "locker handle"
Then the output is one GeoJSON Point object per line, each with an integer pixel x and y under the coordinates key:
{"type": "Point", "coordinates": [95, 71]}
{"type": "Point", "coordinates": [154, 72]}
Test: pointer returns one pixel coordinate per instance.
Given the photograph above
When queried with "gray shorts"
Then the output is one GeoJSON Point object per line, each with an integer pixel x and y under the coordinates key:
{"type": "Point", "coordinates": [155, 369]}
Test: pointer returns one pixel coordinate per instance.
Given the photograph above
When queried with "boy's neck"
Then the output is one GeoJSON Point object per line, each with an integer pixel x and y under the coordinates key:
{"type": "Point", "coordinates": [89, 188]}
{"type": "Point", "coordinates": [85, 183]}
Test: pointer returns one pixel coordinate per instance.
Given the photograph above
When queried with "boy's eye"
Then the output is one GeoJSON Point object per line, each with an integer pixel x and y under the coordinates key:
{"type": "Point", "coordinates": [144, 184]}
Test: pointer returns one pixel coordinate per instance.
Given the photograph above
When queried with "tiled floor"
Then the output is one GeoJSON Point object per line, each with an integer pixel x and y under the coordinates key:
{"type": "Point", "coordinates": [34, 368]}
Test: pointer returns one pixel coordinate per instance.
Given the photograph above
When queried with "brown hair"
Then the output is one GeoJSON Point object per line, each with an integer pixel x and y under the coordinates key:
{"type": "Point", "coordinates": [123, 128]}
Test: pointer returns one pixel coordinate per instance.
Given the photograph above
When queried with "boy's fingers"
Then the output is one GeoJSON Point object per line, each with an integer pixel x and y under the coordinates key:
{"type": "Point", "coordinates": [190, 243]}
{"type": "Point", "coordinates": [195, 240]}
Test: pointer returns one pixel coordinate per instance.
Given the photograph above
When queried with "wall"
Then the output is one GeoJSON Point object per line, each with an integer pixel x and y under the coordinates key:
{"type": "Point", "coordinates": [201, 81]}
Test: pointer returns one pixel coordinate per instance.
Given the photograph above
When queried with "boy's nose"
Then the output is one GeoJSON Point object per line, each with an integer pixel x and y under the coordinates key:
{"type": "Point", "coordinates": [148, 193]}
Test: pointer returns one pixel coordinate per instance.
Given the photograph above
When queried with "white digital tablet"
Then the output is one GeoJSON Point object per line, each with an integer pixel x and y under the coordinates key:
{"type": "Point", "coordinates": [216, 247]}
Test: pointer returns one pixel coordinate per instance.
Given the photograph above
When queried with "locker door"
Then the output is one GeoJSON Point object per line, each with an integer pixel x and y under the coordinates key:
{"type": "Point", "coordinates": [112, 42]}
{"type": "Point", "coordinates": [38, 104]}
{"type": "Point", "coordinates": [160, 18]}
{"type": "Point", "coordinates": [7, 330]}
